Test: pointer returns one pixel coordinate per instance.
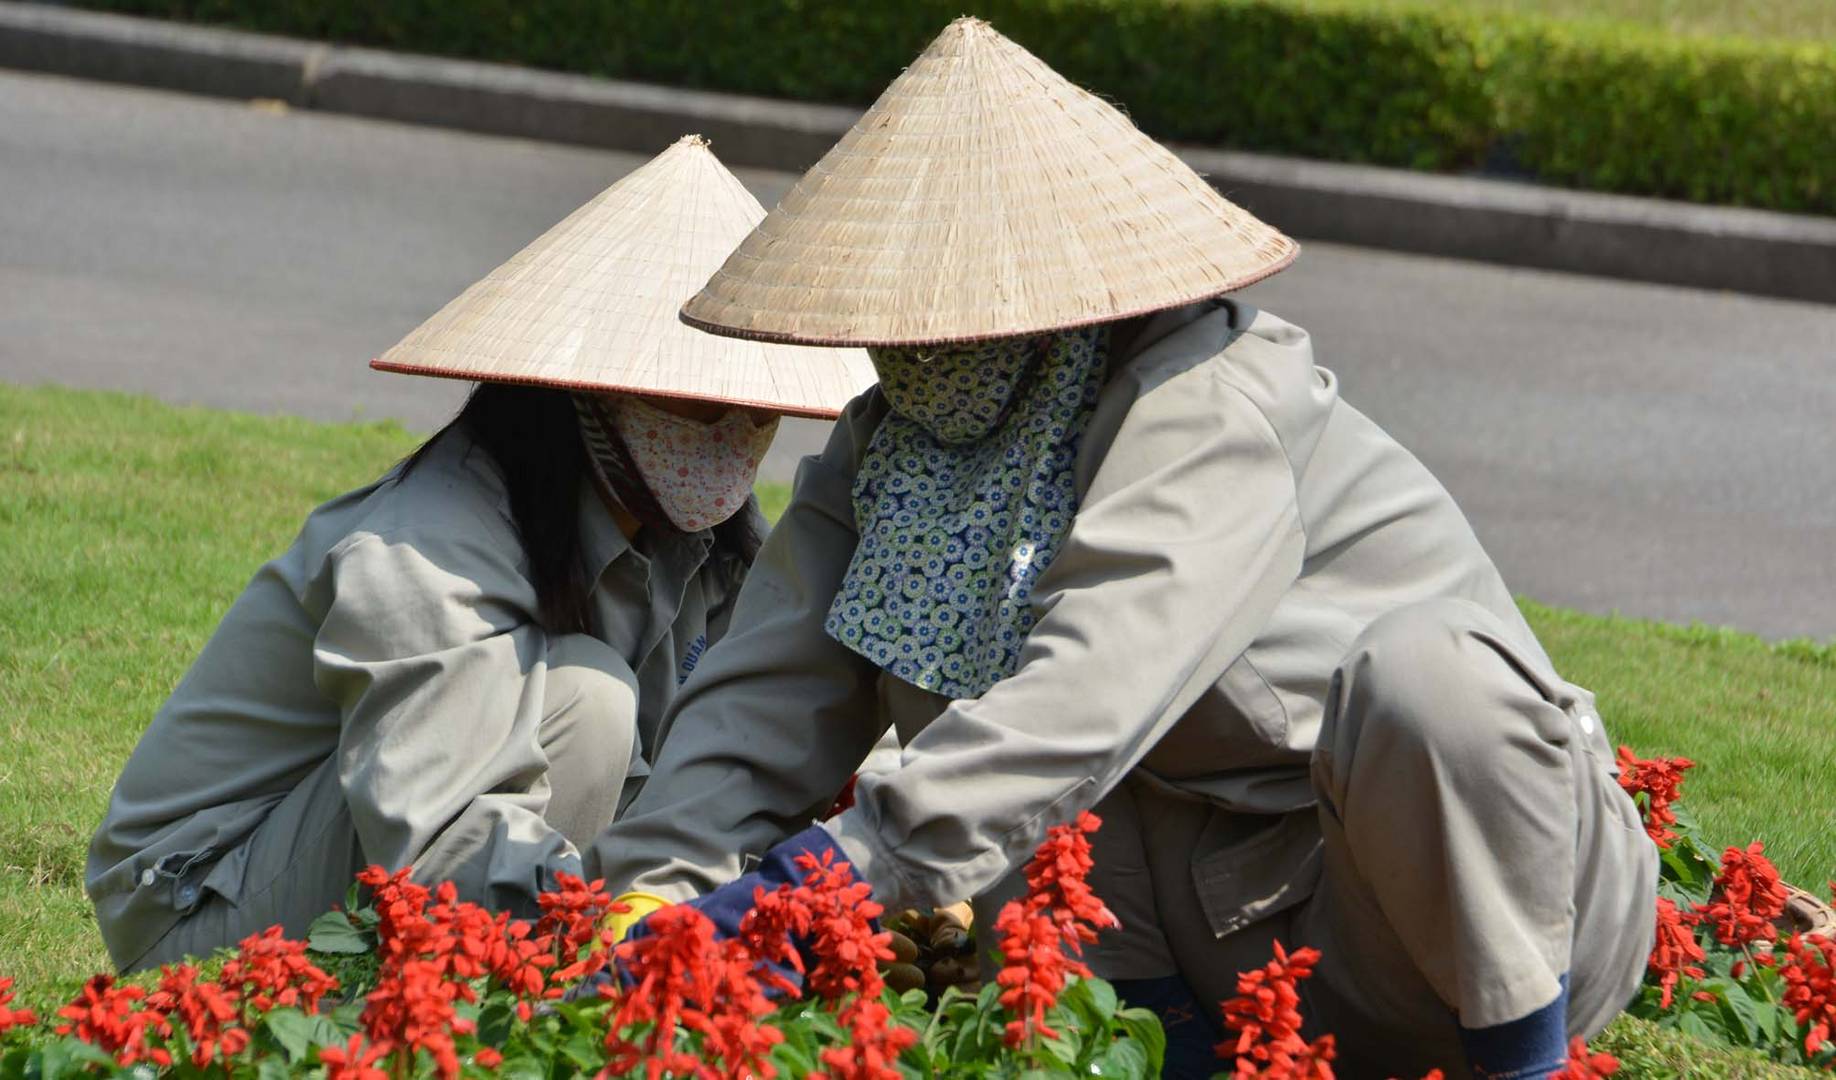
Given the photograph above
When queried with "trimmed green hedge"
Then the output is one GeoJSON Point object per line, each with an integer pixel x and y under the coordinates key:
{"type": "Point", "coordinates": [1615, 108]}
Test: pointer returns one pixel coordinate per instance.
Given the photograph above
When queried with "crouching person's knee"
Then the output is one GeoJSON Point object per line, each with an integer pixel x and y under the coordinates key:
{"type": "Point", "coordinates": [1432, 692]}
{"type": "Point", "coordinates": [589, 733]}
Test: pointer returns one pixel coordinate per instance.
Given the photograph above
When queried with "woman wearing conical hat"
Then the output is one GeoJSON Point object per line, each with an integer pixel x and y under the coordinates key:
{"type": "Point", "coordinates": [462, 666]}
{"type": "Point", "coordinates": [1104, 539]}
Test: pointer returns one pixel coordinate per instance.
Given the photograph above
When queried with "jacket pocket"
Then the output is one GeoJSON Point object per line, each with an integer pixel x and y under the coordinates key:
{"type": "Point", "coordinates": [1244, 879]}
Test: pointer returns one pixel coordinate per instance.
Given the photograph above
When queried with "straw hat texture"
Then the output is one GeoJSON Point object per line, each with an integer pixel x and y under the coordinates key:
{"type": "Point", "coordinates": [592, 304]}
{"type": "Point", "coordinates": [983, 196]}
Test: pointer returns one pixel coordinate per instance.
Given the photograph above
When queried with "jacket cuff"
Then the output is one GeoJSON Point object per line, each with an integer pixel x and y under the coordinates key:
{"type": "Point", "coordinates": [872, 862]}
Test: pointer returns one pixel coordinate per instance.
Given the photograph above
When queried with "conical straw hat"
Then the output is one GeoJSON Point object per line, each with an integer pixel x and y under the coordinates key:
{"type": "Point", "coordinates": [592, 303]}
{"type": "Point", "coordinates": [983, 196]}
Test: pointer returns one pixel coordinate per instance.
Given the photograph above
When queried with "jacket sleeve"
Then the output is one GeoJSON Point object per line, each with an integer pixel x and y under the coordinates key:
{"type": "Point", "coordinates": [429, 650]}
{"type": "Point", "coordinates": [777, 715]}
{"type": "Point", "coordinates": [1187, 537]}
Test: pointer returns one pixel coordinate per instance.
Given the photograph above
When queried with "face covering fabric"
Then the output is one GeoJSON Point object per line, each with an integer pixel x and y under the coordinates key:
{"type": "Point", "coordinates": [695, 473]}
{"type": "Point", "coordinates": [958, 393]}
{"type": "Point", "coordinates": [963, 499]}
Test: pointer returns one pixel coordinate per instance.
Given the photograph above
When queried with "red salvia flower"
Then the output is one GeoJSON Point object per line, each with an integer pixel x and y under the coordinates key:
{"type": "Point", "coordinates": [1583, 1065]}
{"type": "Point", "coordinates": [1058, 913]}
{"type": "Point", "coordinates": [431, 947]}
{"type": "Point", "coordinates": [1748, 896]}
{"type": "Point", "coordinates": [10, 1017]}
{"type": "Point", "coordinates": [1677, 953]}
{"type": "Point", "coordinates": [1265, 1014]}
{"type": "Point", "coordinates": [1056, 879]}
{"type": "Point", "coordinates": [115, 1019]}
{"type": "Point", "coordinates": [488, 1057]}
{"type": "Point", "coordinates": [1809, 970]}
{"type": "Point", "coordinates": [684, 979]}
{"type": "Point", "coordinates": [1036, 970]}
{"type": "Point", "coordinates": [571, 925]}
{"type": "Point", "coordinates": [1302, 1061]}
{"type": "Point", "coordinates": [269, 971]}
{"type": "Point", "coordinates": [352, 1061]}
{"type": "Point", "coordinates": [414, 1009]}
{"type": "Point", "coordinates": [847, 948]}
{"type": "Point", "coordinates": [874, 1043]}
{"type": "Point", "coordinates": [834, 914]}
{"type": "Point", "coordinates": [770, 931]}
{"type": "Point", "coordinates": [1660, 781]}
{"type": "Point", "coordinates": [210, 1013]}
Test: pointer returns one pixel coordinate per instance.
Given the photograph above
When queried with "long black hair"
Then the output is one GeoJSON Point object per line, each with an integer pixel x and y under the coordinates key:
{"type": "Point", "coordinates": [533, 436]}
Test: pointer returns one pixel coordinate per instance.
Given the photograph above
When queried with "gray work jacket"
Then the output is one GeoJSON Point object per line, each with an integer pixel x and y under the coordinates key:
{"type": "Point", "coordinates": [397, 634]}
{"type": "Point", "coordinates": [1239, 526]}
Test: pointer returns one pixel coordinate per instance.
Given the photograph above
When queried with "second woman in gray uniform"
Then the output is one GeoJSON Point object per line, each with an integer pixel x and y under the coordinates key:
{"type": "Point", "coordinates": [462, 667]}
{"type": "Point", "coordinates": [1152, 564]}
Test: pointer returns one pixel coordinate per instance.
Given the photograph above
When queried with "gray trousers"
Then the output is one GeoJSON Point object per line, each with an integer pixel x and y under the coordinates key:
{"type": "Point", "coordinates": [1473, 847]}
{"type": "Point", "coordinates": [302, 857]}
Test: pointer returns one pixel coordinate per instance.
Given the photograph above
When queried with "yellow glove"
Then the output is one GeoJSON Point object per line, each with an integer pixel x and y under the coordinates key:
{"type": "Point", "coordinates": [641, 905]}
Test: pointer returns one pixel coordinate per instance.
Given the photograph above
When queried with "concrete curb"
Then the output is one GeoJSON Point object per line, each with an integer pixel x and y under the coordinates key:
{"type": "Point", "coordinates": [1754, 251]}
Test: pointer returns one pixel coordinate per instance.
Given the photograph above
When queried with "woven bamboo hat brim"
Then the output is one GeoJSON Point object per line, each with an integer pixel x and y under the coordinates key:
{"type": "Point", "coordinates": [592, 304]}
{"type": "Point", "coordinates": [983, 196]}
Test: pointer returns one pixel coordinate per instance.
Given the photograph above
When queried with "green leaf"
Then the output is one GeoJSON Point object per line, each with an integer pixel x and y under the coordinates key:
{"type": "Point", "coordinates": [523, 1067]}
{"type": "Point", "coordinates": [496, 1020]}
{"type": "Point", "coordinates": [1125, 1058]}
{"type": "Point", "coordinates": [333, 932]}
{"type": "Point", "coordinates": [1069, 1043]}
{"type": "Point", "coordinates": [1143, 1026]}
{"type": "Point", "coordinates": [1102, 995]}
{"type": "Point", "coordinates": [270, 1067]}
{"type": "Point", "coordinates": [297, 1032]}
{"type": "Point", "coordinates": [13, 1063]}
{"type": "Point", "coordinates": [1692, 875]}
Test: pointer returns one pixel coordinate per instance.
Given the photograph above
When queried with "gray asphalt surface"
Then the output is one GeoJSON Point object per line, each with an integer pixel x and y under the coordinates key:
{"type": "Point", "coordinates": [1663, 452]}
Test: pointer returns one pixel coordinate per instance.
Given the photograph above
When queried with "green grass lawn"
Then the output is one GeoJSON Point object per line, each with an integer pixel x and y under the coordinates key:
{"type": "Point", "coordinates": [127, 527]}
{"type": "Point", "coordinates": [1803, 20]}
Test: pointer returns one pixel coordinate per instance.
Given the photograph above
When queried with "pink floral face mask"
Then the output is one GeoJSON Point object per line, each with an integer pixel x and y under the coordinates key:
{"type": "Point", "coordinates": [700, 472]}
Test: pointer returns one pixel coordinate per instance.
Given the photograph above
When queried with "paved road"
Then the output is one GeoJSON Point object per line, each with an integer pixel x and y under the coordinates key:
{"type": "Point", "coordinates": [1664, 452]}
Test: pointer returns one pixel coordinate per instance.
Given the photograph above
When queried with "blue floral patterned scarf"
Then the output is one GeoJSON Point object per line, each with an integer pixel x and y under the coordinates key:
{"type": "Point", "coordinates": [962, 501]}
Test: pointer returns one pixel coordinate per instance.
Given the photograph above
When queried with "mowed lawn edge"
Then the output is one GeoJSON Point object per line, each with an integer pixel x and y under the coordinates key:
{"type": "Point", "coordinates": [127, 527]}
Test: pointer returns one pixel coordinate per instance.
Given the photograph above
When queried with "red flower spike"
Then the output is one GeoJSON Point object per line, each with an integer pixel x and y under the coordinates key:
{"type": "Point", "coordinates": [1809, 971]}
{"type": "Point", "coordinates": [1677, 953]}
{"type": "Point", "coordinates": [1660, 781]}
{"type": "Point", "coordinates": [113, 1019]}
{"type": "Point", "coordinates": [1265, 1014]}
{"type": "Point", "coordinates": [1056, 879]}
{"type": "Point", "coordinates": [1585, 1066]}
{"type": "Point", "coordinates": [874, 1044]}
{"type": "Point", "coordinates": [269, 971]}
{"type": "Point", "coordinates": [352, 1061]}
{"type": "Point", "coordinates": [1037, 968]}
{"type": "Point", "coordinates": [1748, 896]}
{"type": "Point", "coordinates": [9, 1017]}
{"type": "Point", "coordinates": [210, 1012]}
{"type": "Point", "coordinates": [1043, 933]}
{"type": "Point", "coordinates": [843, 940]}
{"type": "Point", "coordinates": [768, 932]}
{"type": "Point", "coordinates": [685, 979]}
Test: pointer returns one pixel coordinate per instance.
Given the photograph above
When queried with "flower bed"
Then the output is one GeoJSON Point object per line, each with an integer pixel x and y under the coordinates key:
{"type": "Point", "coordinates": [416, 983]}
